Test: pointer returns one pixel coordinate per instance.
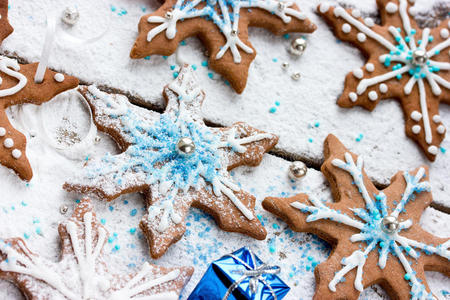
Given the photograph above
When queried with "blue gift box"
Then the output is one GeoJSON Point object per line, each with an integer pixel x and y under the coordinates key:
{"type": "Point", "coordinates": [236, 275]}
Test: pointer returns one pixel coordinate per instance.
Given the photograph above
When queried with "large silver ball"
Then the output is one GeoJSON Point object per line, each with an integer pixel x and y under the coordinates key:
{"type": "Point", "coordinates": [297, 47]}
{"type": "Point", "coordinates": [185, 146]}
{"type": "Point", "coordinates": [70, 15]}
{"type": "Point", "coordinates": [297, 169]}
{"type": "Point", "coordinates": [419, 57]}
{"type": "Point", "coordinates": [390, 224]}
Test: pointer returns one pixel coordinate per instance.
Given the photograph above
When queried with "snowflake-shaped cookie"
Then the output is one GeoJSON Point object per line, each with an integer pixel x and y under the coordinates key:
{"type": "Point", "coordinates": [403, 62]}
{"type": "Point", "coordinates": [177, 160]}
{"type": "Point", "coordinates": [222, 25]}
{"type": "Point", "coordinates": [5, 28]}
{"type": "Point", "coordinates": [17, 86]}
{"type": "Point", "coordinates": [375, 235]}
{"type": "Point", "coordinates": [83, 272]}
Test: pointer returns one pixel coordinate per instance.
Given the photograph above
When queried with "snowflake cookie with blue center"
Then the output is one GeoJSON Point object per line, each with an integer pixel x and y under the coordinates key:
{"type": "Point", "coordinates": [404, 62]}
{"type": "Point", "coordinates": [375, 234]}
{"type": "Point", "coordinates": [222, 26]}
{"type": "Point", "coordinates": [83, 271]}
{"type": "Point", "coordinates": [176, 160]}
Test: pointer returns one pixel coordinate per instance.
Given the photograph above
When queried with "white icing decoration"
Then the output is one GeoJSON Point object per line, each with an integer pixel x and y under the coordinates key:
{"type": "Point", "coordinates": [2, 131]}
{"type": "Point", "coordinates": [373, 96]}
{"type": "Point", "coordinates": [356, 13]}
{"type": "Point", "coordinates": [361, 37]}
{"type": "Point", "coordinates": [416, 129]}
{"type": "Point", "coordinates": [227, 19]}
{"type": "Point", "coordinates": [8, 143]}
{"type": "Point", "coordinates": [353, 97]}
{"type": "Point", "coordinates": [444, 33]}
{"type": "Point", "coordinates": [416, 116]}
{"type": "Point", "coordinates": [369, 223]}
{"type": "Point", "coordinates": [346, 28]}
{"type": "Point", "coordinates": [433, 150]}
{"type": "Point", "coordinates": [437, 119]}
{"type": "Point", "coordinates": [11, 67]}
{"type": "Point", "coordinates": [16, 153]}
{"type": "Point", "coordinates": [440, 129]}
{"type": "Point", "coordinates": [324, 7]}
{"type": "Point", "coordinates": [59, 77]}
{"type": "Point", "coordinates": [391, 7]}
{"type": "Point", "coordinates": [358, 73]}
{"type": "Point", "coordinates": [369, 22]}
{"type": "Point", "coordinates": [370, 67]}
{"type": "Point", "coordinates": [383, 88]}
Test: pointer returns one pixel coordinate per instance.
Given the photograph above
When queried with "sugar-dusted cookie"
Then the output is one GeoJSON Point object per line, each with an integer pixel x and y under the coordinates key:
{"type": "Point", "coordinates": [177, 160]}
{"type": "Point", "coordinates": [5, 28]}
{"type": "Point", "coordinates": [83, 271]}
{"type": "Point", "coordinates": [17, 86]}
{"type": "Point", "coordinates": [404, 62]}
{"type": "Point", "coordinates": [375, 235]}
{"type": "Point", "coordinates": [222, 25]}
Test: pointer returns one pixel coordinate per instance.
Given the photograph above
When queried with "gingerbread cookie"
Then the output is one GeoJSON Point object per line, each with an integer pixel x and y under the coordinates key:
{"type": "Point", "coordinates": [222, 26]}
{"type": "Point", "coordinates": [83, 271]}
{"type": "Point", "coordinates": [177, 160]}
{"type": "Point", "coordinates": [17, 86]}
{"type": "Point", "coordinates": [375, 235]}
{"type": "Point", "coordinates": [403, 62]}
{"type": "Point", "coordinates": [5, 28]}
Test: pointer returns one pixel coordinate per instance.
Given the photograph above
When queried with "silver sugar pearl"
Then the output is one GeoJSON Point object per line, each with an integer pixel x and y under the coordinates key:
{"type": "Point", "coordinates": [63, 209]}
{"type": "Point", "coordinates": [296, 76]}
{"type": "Point", "coordinates": [297, 169]}
{"type": "Point", "coordinates": [97, 139]}
{"type": "Point", "coordinates": [297, 46]}
{"type": "Point", "coordinates": [168, 15]}
{"type": "Point", "coordinates": [285, 65]}
{"type": "Point", "coordinates": [233, 32]}
{"type": "Point", "coordinates": [185, 146]}
{"type": "Point", "coordinates": [419, 57]}
{"type": "Point", "coordinates": [70, 15]}
{"type": "Point", "coordinates": [390, 224]}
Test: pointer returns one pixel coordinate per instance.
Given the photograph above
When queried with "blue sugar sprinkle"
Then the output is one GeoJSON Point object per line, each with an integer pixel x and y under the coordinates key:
{"type": "Point", "coordinates": [407, 276]}
{"type": "Point", "coordinates": [133, 230]}
{"type": "Point", "coordinates": [277, 103]}
{"type": "Point", "coordinates": [310, 140]}
{"type": "Point", "coordinates": [165, 57]}
{"type": "Point", "coordinates": [175, 74]}
{"type": "Point", "coordinates": [172, 67]}
{"type": "Point", "coordinates": [194, 67]}
{"type": "Point", "coordinates": [111, 208]}
{"type": "Point", "coordinates": [272, 110]}
{"type": "Point", "coordinates": [125, 202]}
{"type": "Point", "coordinates": [39, 231]}
{"type": "Point", "coordinates": [133, 212]}
{"type": "Point", "coordinates": [210, 75]}
{"type": "Point", "coordinates": [274, 59]}
{"type": "Point", "coordinates": [103, 221]}
{"type": "Point", "coordinates": [183, 43]}
{"type": "Point", "coordinates": [147, 57]}
{"type": "Point", "coordinates": [287, 36]}
{"type": "Point", "coordinates": [204, 63]}
{"type": "Point", "coordinates": [317, 124]}
{"type": "Point", "coordinates": [26, 236]}
{"type": "Point", "coordinates": [443, 150]}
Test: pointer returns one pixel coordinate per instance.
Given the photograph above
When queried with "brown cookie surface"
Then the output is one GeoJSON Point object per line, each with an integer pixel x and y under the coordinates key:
{"type": "Point", "coordinates": [5, 28]}
{"type": "Point", "coordinates": [18, 87]}
{"type": "Point", "coordinates": [83, 271]}
{"type": "Point", "coordinates": [176, 160]}
{"type": "Point", "coordinates": [375, 235]}
{"type": "Point", "coordinates": [222, 26]}
{"type": "Point", "coordinates": [404, 62]}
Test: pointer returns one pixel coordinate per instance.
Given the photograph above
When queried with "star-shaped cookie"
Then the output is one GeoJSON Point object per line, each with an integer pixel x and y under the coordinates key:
{"type": "Point", "coordinates": [83, 271]}
{"type": "Point", "coordinates": [5, 28]}
{"type": "Point", "coordinates": [177, 160]}
{"type": "Point", "coordinates": [375, 235]}
{"type": "Point", "coordinates": [404, 62]}
{"type": "Point", "coordinates": [17, 86]}
{"type": "Point", "coordinates": [222, 26]}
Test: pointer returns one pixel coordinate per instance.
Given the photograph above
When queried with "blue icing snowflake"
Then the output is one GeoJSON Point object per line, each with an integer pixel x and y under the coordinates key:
{"type": "Point", "coordinates": [175, 158]}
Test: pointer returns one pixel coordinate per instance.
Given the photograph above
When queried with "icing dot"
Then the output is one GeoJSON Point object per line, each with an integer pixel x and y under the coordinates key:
{"type": "Point", "coordinates": [16, 153]}
{"type": "Point", "coordinates": [416, 129]}
{"type": "Point", "coordinates": [358, 73]}
{"type": "Point", "coordinates": [433, 150]}
{"type": "Point", "coordinates": [391, 7]}
{"type": "Point", "coordinates": [2, 131]}
{"type": "Point", "coordinates": [383, 88]}
{"type": "Point", "coordinates": [416, 116]}
{"type": "Point", "coordinates": [356, 13]}
{"type": "Point", "coordinates": [361, 37]}
{"type": "Point", "coordinates": [440, 129]}
{"type": "Point", "coordinates": [338, 11]}
{"type": "Point", "coordinates": [444, 33]}
{"type": "Point", "coordinates": [436, 118]}
{"type": "Point", "coordinates": [353, 97]}
{"type": "Point", "coordinates": [324, 7]}
{"type": "Point", "coordinates": [59, 77]}
{"type": "Point", "coordinates": [8, 143]}
{"type": "Point", "coordinates": [346, 28]}
{"type": "Point", "coordinates": [373, 95]}
{"type": "Point", "coordinates": [413, 10]}
{"type": "Point", "coordinates": [370, 67]}
{"type": "Point", "coordinates": [369, 22]}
